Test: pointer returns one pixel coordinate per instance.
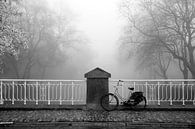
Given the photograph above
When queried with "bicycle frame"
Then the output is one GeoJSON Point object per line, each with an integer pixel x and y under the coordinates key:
{"type": "Point", "coordinates": [116, 93]}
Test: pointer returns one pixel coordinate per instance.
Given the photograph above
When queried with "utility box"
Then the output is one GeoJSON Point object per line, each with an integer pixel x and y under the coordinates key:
{"type": "Point", "coordinates": [97, 86]}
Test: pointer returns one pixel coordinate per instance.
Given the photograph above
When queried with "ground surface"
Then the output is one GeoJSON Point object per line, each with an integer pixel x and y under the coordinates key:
{"type": "Point", "coordinates": [96, 119]}
{"type": "Point", "coordinates": [31, 116]}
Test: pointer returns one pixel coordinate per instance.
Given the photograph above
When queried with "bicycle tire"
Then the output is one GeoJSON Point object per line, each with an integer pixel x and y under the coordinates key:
{"type": "Point", "coordinates": [141, 105]}
{"type": "Point", "coordinates": [109, 102]}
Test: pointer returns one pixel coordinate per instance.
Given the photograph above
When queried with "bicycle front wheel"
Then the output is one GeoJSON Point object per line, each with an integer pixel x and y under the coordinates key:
{"type": "Point", "coordinates": [109, 102]}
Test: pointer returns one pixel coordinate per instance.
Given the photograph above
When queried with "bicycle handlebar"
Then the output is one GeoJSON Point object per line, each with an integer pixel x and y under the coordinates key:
{"type": "Point", "coordinates": [120, 81]}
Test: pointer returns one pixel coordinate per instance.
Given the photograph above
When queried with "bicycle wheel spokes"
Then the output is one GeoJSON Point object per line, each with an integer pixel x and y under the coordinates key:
{"type": "Point", "coordinates": [109, 102]}
{"type": "Point", "coordinates": [141, 105]}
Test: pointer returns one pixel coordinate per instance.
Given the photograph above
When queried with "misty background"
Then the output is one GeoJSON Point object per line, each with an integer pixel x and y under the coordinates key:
{"type": "Point", "coordinates": [64, 39]}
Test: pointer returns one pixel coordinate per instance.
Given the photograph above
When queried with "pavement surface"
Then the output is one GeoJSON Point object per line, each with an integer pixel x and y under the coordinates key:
{"type": "Point", "coordinates": [90, 119]}
{"type": "Point", "coordinates": [79, 117]}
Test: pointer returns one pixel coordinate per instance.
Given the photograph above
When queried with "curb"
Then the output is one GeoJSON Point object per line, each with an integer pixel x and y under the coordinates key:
{"type": "Point", "coordinates": [102, 124]}
{"type": "Point", "coordinates": [84, 108]}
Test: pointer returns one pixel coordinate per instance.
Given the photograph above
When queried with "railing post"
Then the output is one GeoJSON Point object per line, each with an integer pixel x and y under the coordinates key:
{"type": "Point", "coordinates": [134, 85]}
{"type": "Point", "coordinates": [72, 98]}
{"type": "Point", "coordinates": [194, 99]}
{"type": "Point", "coordinates": [194, 95]}
{"type": "Point", "coordinates": [146, 84]}
{"type": "Point", "coordinates": [1, 93]}
{"type": "Point", "coordinates": [191, 93]}
{"type": "Point", "coordinates": [13, 92]}
{"type": "Point", "coordinates": [171, 101]}
{"type": "Point", "coordinates": [48, 93]}
{"type": "Point", "coordinates": [24, 92]}
{"type": "Point", "coordinates": [37, 93]}
{"type": "Point", "coordinates": [9, 94]}
{"type": "Point", "coordinates": [183, 100]}
{"type": "Point", "coordinates": [152, 87]}
{"type": "Point", "coordinates": [5, 93]}
{"type": "Point", "coordinates": [60, 93]}
{"type": "Point", "coordinates": [158, 93]}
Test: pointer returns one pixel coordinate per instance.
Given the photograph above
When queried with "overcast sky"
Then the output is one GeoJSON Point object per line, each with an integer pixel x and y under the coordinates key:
{"type": "Point", "coordinates": [102, 23]}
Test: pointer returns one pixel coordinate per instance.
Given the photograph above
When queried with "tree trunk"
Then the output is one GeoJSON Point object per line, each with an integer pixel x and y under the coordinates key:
{"type": "Point", "coordinates": [27, 71]}
{"type": "Point", "coordinates": [193, 75]}
{"type": "Point", "coordinates": [14, 64]}
{"type": "Point", "coordinates": [185, 72]}
{"type": "Point", "coordinates": [192, 71]}
{"type": "Point", "coordinates": [43, 72]}
{"type": "Point", "coordinates": [165, 74]}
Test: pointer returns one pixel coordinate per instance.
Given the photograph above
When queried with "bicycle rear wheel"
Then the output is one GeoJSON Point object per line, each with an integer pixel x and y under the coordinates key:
{"type": "Point", "coordinates": [109, 102]}
{"type": "Point", "coordinates": [141, 105]}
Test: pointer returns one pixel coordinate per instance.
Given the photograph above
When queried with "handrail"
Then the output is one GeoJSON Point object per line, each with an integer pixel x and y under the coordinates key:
{"type": "Point", "coordinates": [153, 80]}
{"type": "Point", "coordinates": [40, 80]}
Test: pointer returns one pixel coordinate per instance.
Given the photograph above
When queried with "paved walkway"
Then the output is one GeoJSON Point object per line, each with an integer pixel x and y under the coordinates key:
{"type": "Point", "coordinates": [72, 119]}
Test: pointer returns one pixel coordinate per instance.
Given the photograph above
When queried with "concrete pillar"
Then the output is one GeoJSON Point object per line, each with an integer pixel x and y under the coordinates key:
{"type": "Point", "coordinates": [97, 86]}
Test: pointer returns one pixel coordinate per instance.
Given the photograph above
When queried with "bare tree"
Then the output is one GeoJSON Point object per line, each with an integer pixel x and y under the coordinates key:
{"type": "Point", "coordinates": [148, 54]}
{"type": "Point", "coordinates": [49, 36]}
{"type": "Point", "coordinates": [153, 59]}
{"type": "Point", "coordinates": [171, 24]}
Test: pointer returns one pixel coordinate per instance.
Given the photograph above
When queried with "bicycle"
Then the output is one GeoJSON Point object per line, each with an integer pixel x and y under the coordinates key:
{"type": "Point", "coordinates": [110, 101]}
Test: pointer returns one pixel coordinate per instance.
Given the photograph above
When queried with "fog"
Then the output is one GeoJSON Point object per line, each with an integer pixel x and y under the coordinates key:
{"type": "Point", "coordinates": [78, 36]}
{"type": "Point", "coordinates": [102, 24]}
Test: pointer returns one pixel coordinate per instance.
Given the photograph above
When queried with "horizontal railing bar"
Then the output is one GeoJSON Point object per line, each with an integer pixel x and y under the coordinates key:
{"type": "Point", "coordinates": [153, 80]}
{"type": "Point", "coordinates": [40, 80]}
{"type": "Point", "coordinates": [47, 100]}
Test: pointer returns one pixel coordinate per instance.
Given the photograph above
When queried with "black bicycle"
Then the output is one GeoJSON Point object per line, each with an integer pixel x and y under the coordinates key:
{"type": "Point", "coordinates": [110, 101]}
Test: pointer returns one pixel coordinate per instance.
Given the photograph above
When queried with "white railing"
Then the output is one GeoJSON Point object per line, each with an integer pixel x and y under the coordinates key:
{"type": "Point", "coordinates": [159, 92]}
{"type": "Point", "coordinates": [41, 91]}
{"type": "Point", "coordinates": [71, 92]}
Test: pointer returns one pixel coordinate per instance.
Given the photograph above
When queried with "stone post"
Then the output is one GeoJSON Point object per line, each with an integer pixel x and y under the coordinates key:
{"type": "Point", "coordinates": [97, 86]}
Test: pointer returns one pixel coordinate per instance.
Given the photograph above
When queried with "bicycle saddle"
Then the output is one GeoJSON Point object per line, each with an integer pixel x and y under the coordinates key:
{"type": "Point", "coordinates": [130, 88]}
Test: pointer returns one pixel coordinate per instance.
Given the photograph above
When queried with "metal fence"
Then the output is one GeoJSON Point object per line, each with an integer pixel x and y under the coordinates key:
{"type": "Point", "coordinates": [73, 92]}
{"type": "Point", "coordinates": [159, 92]}
{"type": "Point", "coordinates": [43, 91]}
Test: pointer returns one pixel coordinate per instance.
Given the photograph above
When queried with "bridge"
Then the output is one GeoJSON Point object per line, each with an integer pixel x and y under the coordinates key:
{"type": "Point", "coordinates": [76, 102]}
